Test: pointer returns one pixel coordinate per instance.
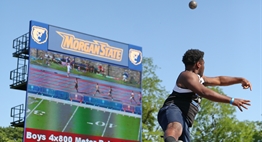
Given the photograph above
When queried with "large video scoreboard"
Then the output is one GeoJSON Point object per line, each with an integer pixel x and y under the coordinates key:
{"type": "Point", "coordinates": [82, 88]}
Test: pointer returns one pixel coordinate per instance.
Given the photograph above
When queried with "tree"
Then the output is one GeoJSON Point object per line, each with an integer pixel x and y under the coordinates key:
{"type": "Point", "coordinates": [11, 134]}
{"type": "Point", "coordinates": [257, 137]}
{"type": "Point", "coordinates": [153, 97]}
{"type": "Point", "coordinates": [216, 122]}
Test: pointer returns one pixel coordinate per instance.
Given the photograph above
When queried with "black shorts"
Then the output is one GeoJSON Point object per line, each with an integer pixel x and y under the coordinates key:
{"type": "Point", "coordinates": [172, 113]}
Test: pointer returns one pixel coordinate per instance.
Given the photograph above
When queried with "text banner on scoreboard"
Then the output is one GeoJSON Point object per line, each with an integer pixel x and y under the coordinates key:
{"type": "Point", "coordinates": [70, 42]}
{"type": "Point", "coordinates": [82, 88]}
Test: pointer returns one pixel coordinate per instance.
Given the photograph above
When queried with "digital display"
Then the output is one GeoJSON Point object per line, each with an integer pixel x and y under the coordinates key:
{"type": "Point", "coordinates": [89, 93]}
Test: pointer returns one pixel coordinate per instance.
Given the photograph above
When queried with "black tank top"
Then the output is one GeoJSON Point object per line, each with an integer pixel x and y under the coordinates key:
{"type": "Point", "coordinates": [186, 100]}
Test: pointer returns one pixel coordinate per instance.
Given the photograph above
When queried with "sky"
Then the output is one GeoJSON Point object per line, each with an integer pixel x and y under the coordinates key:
{"type": "Point", "coordinates": [229, 32]}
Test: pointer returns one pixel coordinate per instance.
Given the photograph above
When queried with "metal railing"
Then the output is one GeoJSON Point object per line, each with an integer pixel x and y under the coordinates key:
{"type": "Point", "coordinates": [18, 114]}
{"type": "Point", "coordinates": [19, 75]}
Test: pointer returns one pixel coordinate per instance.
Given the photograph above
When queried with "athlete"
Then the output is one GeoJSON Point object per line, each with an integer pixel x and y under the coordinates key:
{"type": "Point", "coordinates": [76, 85]}
{"type": "Point", "coordinates": [132, 97]}
{"type": "Point", "coordinates": [125, 76]}
{"type": "Point", "coordinates": [180, 108]}
{"type": "Point", "coordinates": [97, 89]}
{"type": "Point", "coordinates": [73, 64]}
{"type": "Point", "coordinates": [68, 69]}
{"type": "Point", "coordinates": [140, 97]}
{"type": "Point", "coordinates": [110, 93]}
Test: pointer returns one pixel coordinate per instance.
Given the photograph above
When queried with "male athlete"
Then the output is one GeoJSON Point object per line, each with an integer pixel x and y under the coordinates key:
{"type": "Point", "coordinates": [125, 76]}
{"type": "Point", "coordinates": [68, 69]}
{"type": "Point", "coordinates": [97, 89]}
{"type": "Point", "coordinates": [76, 84]}
{"type": "Point", "coordinates": [110, 93]}
{"type": "Point", "coordinates": [181, 106]}
{"type": "Point", "coordinates": [140, 97]}
{"type": "Point", "coordinates": [132, 97]}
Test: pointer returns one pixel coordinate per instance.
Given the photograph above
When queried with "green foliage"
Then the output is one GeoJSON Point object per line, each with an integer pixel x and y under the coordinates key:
{"type": "Point", "coordinates": [11, 134]}
{"type": "Point", "coordinates": [257, 136]}
{"type": "Point", "coordinates": [216, 122]}
{"type": "Point", "coordinates": [153, 97]}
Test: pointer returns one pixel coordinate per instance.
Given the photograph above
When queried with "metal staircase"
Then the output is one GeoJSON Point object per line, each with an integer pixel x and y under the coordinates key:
{"type": "Point", "coordinates": [19, 76]}
{"type": "Point", "coordinates": [18, 114]}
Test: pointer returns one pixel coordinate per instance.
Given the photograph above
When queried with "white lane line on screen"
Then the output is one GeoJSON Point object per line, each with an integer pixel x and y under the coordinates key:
{"type": "Point", "coordinates": [34, 108]}
{"type": "Point", "coordinates": [69, 119]}
{"type": "Point", "coordinates": [106, 124]}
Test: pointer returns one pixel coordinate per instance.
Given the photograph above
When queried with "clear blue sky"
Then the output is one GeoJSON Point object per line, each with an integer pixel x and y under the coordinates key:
{"type": "Point", "coordinates": [228, 31]}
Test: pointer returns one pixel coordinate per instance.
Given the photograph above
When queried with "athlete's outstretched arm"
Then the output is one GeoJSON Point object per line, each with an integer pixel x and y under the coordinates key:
{"type": "Point", "coordinates": [226, 81]}
{"type": "Point", "coordinates": [191, 81]}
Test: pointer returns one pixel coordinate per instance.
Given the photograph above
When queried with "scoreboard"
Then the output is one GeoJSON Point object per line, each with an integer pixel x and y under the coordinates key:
{"type": "Point", "coordinates": [82, 88]}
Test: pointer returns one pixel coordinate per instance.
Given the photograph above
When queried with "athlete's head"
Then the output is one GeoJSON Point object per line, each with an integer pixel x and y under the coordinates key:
{"type": "Point", "coordinates": [194, 60]}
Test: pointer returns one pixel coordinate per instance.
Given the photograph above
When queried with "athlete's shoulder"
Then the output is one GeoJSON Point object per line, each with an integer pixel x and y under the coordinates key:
{"type": "Point", "coordinates": [188, 77]}
{"type": "Point", "coordinates": [188, 74]}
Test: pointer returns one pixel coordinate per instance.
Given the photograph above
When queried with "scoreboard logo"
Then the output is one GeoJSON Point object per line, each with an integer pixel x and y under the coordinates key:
{"type": "Point", "coordinates": [135, 56]}
{"type": "Point", "coordinates": [93, 48]}
{"type": "Point", "coordinates": [39, 34]}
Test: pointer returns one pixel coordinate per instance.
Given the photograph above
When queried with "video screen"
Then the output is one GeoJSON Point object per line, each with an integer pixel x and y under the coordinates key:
{"type": "Point", "coordinates": [75, 99]}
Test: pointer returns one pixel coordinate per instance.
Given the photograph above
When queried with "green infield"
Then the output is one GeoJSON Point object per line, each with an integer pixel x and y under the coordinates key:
{"type": "Point", "coordinates": [56, 116]}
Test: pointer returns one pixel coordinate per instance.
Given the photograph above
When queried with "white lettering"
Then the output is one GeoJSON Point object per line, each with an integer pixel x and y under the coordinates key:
{"type": "Point", "coordinates": [78, 139]}
{"type": "Point", "coordinates": [38, 137]}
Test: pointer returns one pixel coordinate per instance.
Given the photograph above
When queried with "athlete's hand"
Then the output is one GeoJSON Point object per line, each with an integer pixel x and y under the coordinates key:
{"type": "Point", "coordinates": [240, 103]}
{"type": "Point", "coordinates": [246, 84]}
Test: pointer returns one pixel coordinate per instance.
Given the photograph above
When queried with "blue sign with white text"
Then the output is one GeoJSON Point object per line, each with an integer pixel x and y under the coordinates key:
{"type": "Point", "coordinates": [47, 37]}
